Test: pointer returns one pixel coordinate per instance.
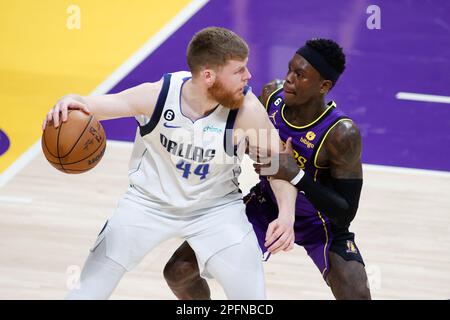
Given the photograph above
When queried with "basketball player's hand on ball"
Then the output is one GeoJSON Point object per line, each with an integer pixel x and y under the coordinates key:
{"type": "Point", "coordinates": [280, 234]}
{"type": "Point", "coordinates": [287, 166]}
{"type": "Point", "coordinates": [59, 111]}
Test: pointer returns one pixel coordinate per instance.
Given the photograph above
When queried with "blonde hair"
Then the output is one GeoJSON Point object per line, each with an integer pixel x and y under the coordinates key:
{"type": "Point", "coordinates": [213, 47]}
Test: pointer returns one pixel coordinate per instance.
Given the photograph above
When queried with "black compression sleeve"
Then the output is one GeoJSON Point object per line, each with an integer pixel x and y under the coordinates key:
{"type": "Point", "coordinates": [338, 201]}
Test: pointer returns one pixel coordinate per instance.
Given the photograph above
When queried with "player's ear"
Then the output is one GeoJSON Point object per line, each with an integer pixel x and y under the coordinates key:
{"type": "Point", "coordinates": [326, 86]}
{"type": "Point", "coordinates": [209, 76]}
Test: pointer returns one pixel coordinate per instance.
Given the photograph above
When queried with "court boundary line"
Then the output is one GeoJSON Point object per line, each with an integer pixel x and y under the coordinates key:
{"type": "Point", "coordinates": [406, 170]}
{"type": "Point", "coordinates": [20, 163]}
{"type": "Point", "coordinates": [422, 97]}
{"type": "Point", "coordinates": [122, 71]}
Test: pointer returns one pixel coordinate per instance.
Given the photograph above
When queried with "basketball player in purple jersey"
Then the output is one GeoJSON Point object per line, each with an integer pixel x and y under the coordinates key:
{"type": "Point", "coordinates": [322, 159]}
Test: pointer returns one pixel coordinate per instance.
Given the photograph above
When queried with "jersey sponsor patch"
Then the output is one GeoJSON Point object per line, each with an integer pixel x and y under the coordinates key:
{"type": "Point", "coordinates": [211, 128]}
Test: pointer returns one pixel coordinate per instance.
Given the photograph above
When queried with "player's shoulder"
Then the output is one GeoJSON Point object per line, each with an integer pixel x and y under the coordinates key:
{"type": "Point", "coordinates": [169, 78]}
{"type": "Point", "coordinates": [152, 86]}
{"type": "Point", "coordinates": [180, 74]}
{"type": "Point", "coordinates": [269, 90]}
{"type": "Point", "coordinates": [251, 105]}
{"type": "Point", "coordinates": [346, 129]}
{"type": "Point", "coordinates": [344, 137]}
{"type": "Point", "coordinates": [146, 90]}
{"type": "Point", "coordinates": [251, 113]}
{"type": "Point", "coordinates": [143, 97]}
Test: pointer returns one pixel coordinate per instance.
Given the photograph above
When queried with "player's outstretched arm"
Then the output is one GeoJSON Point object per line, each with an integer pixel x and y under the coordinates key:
{"type": "Point", "coordinates": [263, 137]}
{"type": "Point", "coordinates": [131, 102]}
{"type": "Point", "coordinates": [280, 234]}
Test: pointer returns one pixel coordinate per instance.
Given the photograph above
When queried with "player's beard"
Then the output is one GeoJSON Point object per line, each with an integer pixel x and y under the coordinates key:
{"type": "Point", "coordinates": [225, 97]}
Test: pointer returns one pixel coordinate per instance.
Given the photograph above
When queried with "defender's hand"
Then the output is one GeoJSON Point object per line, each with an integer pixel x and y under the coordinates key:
{"type": "Point", "coordinates": [287, 168]}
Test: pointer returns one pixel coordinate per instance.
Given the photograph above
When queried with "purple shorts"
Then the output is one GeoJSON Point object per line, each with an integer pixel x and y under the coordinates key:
{"type": "Point", "coordinates": [314, 232]}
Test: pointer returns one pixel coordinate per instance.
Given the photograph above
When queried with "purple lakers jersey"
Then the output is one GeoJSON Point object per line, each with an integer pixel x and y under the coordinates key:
{"type": "Point", "coordinates": [307, 142]}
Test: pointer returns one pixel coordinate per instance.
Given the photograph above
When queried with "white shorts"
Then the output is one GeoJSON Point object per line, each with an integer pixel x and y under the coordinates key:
{"type": "Point", "coordinates": [135, 229]}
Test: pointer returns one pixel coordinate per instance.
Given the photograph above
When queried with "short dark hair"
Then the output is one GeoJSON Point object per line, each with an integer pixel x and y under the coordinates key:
{"type": "Point", "coordinates": [213, 47]}
{"type": "Point", "coordinates": [330, 51]}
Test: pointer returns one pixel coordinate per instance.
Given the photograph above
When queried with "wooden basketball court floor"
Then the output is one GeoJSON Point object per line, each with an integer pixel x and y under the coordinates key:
{"type": "Point", "coordinates": [49, 220]}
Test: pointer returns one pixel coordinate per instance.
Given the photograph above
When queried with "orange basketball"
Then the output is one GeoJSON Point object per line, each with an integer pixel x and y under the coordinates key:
{"type": "Point", "coordinates": [77, 145]}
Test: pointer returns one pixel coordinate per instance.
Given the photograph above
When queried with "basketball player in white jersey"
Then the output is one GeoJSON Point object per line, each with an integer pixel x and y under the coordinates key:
{"type": "Point", "coordinates": [183, 173]}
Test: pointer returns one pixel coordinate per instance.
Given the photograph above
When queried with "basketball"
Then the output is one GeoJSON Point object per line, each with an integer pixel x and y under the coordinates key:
{"type": "Point", "coordinates": [77, 145]}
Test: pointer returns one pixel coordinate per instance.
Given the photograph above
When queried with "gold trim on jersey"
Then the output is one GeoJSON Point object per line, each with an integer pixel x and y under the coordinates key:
{"type": "Point", "coordinates": [323, 140]}
{"type": "Point", "coordinates": [326, 242]}
{"type": "Point", "coordinates": [315, 175]}
{"type": "Point", "coordinates": [332, 104]}
{"type": "Point", "coordinates": [249, 199]}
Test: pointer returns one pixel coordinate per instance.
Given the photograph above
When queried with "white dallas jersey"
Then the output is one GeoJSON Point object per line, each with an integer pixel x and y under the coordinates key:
{"type": "Point", "coordinates": [178, 165]}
